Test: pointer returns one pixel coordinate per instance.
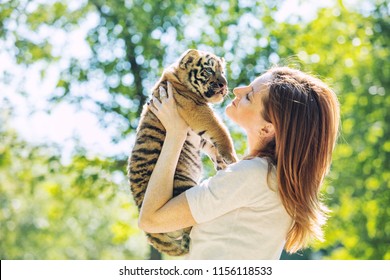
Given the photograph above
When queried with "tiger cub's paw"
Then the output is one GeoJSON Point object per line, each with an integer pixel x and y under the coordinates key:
{"type": "Point", "coordinates": [219, 163]}
{"type": "Point", "coordinates": [229, 157]}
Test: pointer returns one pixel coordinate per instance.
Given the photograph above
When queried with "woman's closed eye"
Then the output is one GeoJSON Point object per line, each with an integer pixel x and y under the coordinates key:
{"type": "Point", "coordinates": [248, 97]}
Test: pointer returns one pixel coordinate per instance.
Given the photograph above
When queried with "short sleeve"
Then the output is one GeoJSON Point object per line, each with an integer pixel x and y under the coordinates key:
{"type": "Point", "coordinates": [239, 185]}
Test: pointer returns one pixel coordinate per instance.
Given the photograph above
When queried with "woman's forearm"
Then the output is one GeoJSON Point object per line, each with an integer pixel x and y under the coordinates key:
{"type": "Point", "coordinates": [160, 186]}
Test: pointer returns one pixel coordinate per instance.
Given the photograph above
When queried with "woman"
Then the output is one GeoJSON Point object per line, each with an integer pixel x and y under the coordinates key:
{"type": "Point", "coordinates": [268, 201]}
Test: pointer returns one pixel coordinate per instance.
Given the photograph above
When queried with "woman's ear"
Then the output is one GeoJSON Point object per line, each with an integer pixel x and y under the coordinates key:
{"type": "Point", "coordinates": [268, 130]}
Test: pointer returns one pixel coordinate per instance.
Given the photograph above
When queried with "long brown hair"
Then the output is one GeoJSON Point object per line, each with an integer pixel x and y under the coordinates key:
{"type": "Point", "coordinates": [305, 114]}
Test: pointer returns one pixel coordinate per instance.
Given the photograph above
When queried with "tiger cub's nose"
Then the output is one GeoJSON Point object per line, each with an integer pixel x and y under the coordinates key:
{"type": "Point", "coordinates": [221, 81]}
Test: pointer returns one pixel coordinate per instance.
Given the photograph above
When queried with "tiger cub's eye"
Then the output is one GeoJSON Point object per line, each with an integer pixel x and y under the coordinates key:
{"type": "Point", "coordinates": [208, 71]}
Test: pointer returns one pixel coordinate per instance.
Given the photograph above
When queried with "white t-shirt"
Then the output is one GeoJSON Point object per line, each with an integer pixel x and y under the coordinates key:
{"type": "Point", "coordinates": [238, 215]}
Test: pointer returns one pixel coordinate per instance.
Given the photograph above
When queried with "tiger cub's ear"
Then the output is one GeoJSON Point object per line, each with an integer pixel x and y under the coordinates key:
{"type": "Point", "coordinates": [223, 61]}
{"type": "Point", "coordinates": [187, 58]}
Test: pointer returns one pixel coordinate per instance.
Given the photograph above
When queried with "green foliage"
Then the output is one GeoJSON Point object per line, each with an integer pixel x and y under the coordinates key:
{"type": "Point", "coordinates": [52, 210]}
{"type": "Point", "coordinates": [80, 210]}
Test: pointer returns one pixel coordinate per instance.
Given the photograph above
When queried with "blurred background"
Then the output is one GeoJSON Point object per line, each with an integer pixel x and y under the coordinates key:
{"type": "Point", "coordinates": [74, 75]}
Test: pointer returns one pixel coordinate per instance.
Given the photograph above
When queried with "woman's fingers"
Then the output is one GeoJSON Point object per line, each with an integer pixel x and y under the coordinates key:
{"type": "Point", "coordinates": [164, 107]}
{"type": "Point", "coordinates": [163, 93]}
{"type": "Point", "coordinates": [152, 107]}
{"type": "Point", "coordinates": [156, 102]}
{"type": "Point", "coordinates": [170, 89]}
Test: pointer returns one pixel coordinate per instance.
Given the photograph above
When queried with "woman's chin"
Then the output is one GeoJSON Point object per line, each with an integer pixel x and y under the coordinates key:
{"type": "Point", "coordinates": [229, 111]}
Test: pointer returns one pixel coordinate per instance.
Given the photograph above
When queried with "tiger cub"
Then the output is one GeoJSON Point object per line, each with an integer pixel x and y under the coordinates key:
{"type": "Point", "coordinates": [198, 79]}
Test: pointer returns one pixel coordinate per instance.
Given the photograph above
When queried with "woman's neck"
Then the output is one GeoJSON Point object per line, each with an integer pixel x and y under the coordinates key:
{"type": "Point", "coordinates": [256, 142]}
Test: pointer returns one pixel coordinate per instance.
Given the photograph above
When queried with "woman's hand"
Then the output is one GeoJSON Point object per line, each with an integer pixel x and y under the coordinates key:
{"type": "Point", "coordinates": [167, 112]}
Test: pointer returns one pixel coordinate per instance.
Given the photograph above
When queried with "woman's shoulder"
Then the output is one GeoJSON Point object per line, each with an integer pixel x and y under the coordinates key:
{"type": "Point", "coordinates": [243, 169]}
{"type": "Point", "coordinates": [247, 171]}
{"type": "Point", "coordinates": [249, 165]}
{"type": "Point", "coordinates": [256, 170]}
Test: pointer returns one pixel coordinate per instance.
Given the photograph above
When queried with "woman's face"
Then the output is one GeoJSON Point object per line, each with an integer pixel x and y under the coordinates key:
{"type": "Point", "coordinates": [246, 109]}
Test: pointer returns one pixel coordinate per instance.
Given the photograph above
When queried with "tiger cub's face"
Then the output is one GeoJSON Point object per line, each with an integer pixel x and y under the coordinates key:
{"type": "Point", "coordinates": [203, 73]}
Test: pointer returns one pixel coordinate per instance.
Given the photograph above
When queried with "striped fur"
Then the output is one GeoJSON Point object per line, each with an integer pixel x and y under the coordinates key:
{"type": "Point", "coordinates": [198, 79]}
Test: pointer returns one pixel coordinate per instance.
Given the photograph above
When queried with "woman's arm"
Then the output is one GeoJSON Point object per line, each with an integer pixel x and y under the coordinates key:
{"type": "Point", "coordinates": [160, 212]}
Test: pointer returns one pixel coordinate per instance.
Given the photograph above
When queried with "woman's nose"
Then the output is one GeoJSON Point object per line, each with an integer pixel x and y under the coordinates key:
{"type": "Point", "coordinates": [240, 91]}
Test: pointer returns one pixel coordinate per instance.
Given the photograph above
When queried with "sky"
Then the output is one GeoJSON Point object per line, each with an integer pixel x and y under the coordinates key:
{"type": "Point", "coordinates": [61, 125]}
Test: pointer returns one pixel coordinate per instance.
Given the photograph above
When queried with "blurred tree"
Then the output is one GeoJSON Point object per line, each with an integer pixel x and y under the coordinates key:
{"type": "Point", "coordinates": [350, 49]}
{"type": "Point", "coordinates": [51, 210]}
